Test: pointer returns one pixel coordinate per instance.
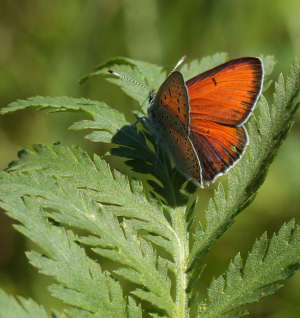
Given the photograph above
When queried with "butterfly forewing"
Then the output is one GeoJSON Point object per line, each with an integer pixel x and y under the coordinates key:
{"type": "Point", "coordinates": [173, 96]}
{"type": "Point", "coordinates": [227, 93]}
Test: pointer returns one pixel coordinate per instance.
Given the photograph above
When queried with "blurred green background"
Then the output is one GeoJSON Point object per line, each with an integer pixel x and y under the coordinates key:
{"type": "Point", "coordinates": [46, 46]}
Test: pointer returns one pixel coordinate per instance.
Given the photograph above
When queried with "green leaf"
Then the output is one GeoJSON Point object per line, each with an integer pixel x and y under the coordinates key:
{"type": "Point", "coordinates": [20, 307]}
{"type": "Point", "coordinates": [106, 121]}
{"type": "Point", "coordinates": [269, 63]}
{"type": "Point", "coordinates": [82, 283]}
{"type": "Point", "coordinates": [75, 166]}
{"type": "Point", "coordinates": [267, 263]}
{"type": "Point", "coordinates": [149, 75]}
{"type": "Point", "coordinates": [70, 185]}
{"type": "Point", "coordinates": [196, 67]}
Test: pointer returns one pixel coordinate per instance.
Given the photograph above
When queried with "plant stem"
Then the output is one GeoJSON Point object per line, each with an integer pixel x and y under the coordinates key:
{"type": "Point", "coordinates": [182, 249]}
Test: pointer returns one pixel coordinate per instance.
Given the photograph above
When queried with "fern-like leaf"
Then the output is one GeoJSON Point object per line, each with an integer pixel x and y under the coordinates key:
{"type": "Point", "coordinates": [267, 263]}
{"type": "Point", "coordinates": [82, 283]}
{"type": "Point", "coordinates": [68, 183]}
{"type": "Point", "coordinates": [21, 307]}
{"type": "Point", "coordinates": [106, 121]}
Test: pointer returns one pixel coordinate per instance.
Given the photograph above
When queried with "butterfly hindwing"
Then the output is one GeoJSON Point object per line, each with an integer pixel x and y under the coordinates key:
{"type": "Point", "coordinates": [218, 147]}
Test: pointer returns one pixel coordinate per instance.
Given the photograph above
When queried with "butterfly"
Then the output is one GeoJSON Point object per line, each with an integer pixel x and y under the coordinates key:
{"type": "Point", "coordinates": [200, 123]}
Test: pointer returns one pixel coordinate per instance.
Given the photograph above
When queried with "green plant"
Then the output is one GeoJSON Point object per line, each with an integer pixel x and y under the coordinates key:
{"type": "Point", "coordinates": [75, 208]}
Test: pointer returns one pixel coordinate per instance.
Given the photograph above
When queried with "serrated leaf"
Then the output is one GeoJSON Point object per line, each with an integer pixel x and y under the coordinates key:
{"type": "Point", "coordinates": [106, 121]}
{"type": "Point", "coordinates": [196, 67]}
{"type": "Point", "coordinates": [67, 183]}
{"type": "Point", "coordinates": [149, 75]}
{"type": "Point", "coordinates": [82, 282]}
{"type": "Point", "coordinates": [20, 307]}
{"type": "Point", "coordinates": [267, 263]}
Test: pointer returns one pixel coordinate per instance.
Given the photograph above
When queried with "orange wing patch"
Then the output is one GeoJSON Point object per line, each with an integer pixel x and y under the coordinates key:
{"type": "Point", "coordinates": [218, 147]}
{"type": "Point", "coordinates": [227, 93]}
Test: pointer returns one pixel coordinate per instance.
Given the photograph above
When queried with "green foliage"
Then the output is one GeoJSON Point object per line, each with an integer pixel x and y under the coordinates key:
{"type": "Point", "coordinates": [10, 307]}
{"type": "Point", "coordinates": [79, 212]}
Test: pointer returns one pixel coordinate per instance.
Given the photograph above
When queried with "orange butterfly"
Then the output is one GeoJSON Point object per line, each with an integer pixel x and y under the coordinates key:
{"type": "Point", "coordinates": [200, 122]}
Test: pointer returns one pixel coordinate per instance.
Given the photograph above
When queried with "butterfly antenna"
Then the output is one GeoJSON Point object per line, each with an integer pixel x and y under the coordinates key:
{"type": "Point", "coordinates": [129, 79]}
{"type": "Point", "coordinates": [178, 63]}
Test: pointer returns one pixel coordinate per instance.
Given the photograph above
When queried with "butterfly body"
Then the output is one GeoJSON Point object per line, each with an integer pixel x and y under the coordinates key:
{"type": "Point", "coordinates": [200, 122]}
